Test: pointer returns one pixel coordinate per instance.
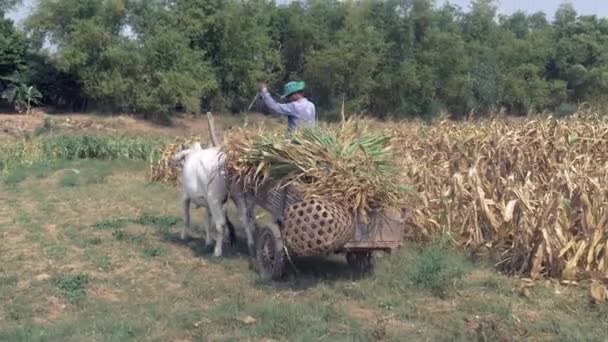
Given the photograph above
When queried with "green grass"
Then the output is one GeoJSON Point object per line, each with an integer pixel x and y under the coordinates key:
{"type": "Point", "coordinates": [15, 176]}
{"type": "Point", "coordinates": [286, 320]}
{"type": "Point", "coordinates": [154, 251]}
{"type": "Point", "coordinates": [163, 223]}
{"type": "Point", "coordinates": [47, 168]}
{"type": "Point", "coordinates": [51, 148]}
{"type": "Point", "coordinates": [118, 272]}
{"type": "Point", "coordinates": [111, 224]}
{"type": "Point", "coordinates": [19, 309]}
{"type": "Point", "coordinates": [73, 287]}
{"type": "Point", "coordinates": [56, 252]}
{"type": "Point", "coordinates": [437, 269]}
{"type": "Point", "coordinates": [97, 147]}
{"type": "Point", "coordinates": [7, 282]}
{"type": "Point", "coordinates": [69, 180]}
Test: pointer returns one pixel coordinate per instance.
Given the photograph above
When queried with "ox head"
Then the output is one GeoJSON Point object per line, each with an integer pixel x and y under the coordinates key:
{"type": "Point", "coordinates": [178, 159]}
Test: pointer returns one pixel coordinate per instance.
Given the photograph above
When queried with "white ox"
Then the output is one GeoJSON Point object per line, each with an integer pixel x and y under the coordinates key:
{"type": "Point", "coordinates": [205, 184]}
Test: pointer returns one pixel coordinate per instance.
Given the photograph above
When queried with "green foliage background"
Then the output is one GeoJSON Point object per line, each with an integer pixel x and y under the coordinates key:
{"type": "Point", "coordinates": [390, 58]}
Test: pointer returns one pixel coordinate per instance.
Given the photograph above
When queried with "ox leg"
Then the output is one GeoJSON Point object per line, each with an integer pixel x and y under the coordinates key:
{"type": "Point", "coordinates": [186, 203]}
{"type": "Point", "coordinates": [219, 216]}
{"type": "Point", "coordinates": [246, 205]}
{"type": "Point", "coordinates": [208, 240]}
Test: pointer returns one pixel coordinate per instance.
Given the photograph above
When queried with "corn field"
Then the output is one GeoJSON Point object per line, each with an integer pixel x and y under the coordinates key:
{"type": "Point", "coordinates": [530, 194]}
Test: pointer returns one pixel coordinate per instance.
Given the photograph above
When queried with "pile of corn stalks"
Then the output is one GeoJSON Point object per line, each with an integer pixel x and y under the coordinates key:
{"type": "Point", "coordinates": [531, 194]}
{"type": "Point", "coordinates": [161, 169]}
{"type": "Point", "coordinates": [352, 164]}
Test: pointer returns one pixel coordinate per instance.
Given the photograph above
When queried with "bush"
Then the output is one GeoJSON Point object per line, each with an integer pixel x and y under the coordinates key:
{"type": "Point", "coordinates": [437, 269]}
{"type": "Point", "coordinates": [566, 109]}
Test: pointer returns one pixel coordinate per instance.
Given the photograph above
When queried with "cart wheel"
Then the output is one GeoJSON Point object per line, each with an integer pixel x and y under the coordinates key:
{"type": "Point", "coordinates": [360, 262]}
{"type": "Point", "coordinates": [269, 254]}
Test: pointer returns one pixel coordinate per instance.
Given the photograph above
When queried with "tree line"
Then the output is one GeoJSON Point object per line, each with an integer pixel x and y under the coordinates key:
{"type": "Point", "coordinates": [387, 58]}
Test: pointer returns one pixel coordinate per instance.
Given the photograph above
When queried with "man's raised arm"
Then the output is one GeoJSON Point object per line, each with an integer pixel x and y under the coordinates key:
{"type": "Point", "coordinates": [278, 108]}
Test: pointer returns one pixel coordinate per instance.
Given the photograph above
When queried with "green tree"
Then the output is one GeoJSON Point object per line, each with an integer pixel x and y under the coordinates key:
{"type": "Point", "coordinates": [13, 56]}
{"type": "Point", "coordinates": [154, 74]}
{"type": "Point", "coordinates": [384, 57]}
{"type": "Point", "coordinates": [349, 67]}
{"type": "Point", "coordinates": [6, 5]}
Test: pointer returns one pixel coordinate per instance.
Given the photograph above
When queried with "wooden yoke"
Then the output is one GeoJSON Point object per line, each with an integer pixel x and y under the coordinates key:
{"type": "Point", "coordinates": [214, 140]}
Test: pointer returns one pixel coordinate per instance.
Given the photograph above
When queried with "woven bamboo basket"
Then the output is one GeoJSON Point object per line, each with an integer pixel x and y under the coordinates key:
{"type": "Point", "coordinates": [316, 227]}
{"type": "Point", "coordinates": [309, 227]}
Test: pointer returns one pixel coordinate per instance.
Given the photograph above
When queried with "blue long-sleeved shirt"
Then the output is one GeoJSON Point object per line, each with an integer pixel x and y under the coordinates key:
{"type": "Point", "coordinates": [299, 113]}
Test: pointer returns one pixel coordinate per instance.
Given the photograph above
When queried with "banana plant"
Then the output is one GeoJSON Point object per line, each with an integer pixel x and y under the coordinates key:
{"type": "Point", "coordinates": [20, 94]}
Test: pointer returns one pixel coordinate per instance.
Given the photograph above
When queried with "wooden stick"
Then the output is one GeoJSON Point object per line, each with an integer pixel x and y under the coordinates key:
{"type": "Point", "coordinates": [343, 115]}
{"type": "Point", "coordinates": [252, 102]}
{"type": "Point", "coordinates": [212, 135]}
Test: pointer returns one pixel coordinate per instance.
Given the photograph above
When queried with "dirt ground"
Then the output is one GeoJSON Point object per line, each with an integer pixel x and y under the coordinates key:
{"type": "Point", "coordinates": [20, 125]}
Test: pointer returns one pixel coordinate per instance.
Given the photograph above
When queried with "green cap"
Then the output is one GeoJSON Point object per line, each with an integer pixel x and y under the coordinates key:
{"type": "Point", "coordinates": [292, 87]}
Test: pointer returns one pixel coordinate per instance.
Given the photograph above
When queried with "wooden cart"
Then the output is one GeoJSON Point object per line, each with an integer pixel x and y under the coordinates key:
{"type": "Point", "coordinates": [384, 232]}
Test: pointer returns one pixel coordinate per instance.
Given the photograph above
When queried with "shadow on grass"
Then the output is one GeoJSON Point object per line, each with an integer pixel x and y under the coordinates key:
{"type": "Point", "coordinates": [308, 271]}
{"type": "Point", "coordinates": [196, 244]}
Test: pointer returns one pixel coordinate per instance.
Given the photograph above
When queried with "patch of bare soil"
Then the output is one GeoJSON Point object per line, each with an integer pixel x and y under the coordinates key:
{"type": "Point", "coordinates": [19, 125]}
{"type": "Point", "coordinates": [49, 310]}
{"type": "Point", "coordinates": [527, 315]}
{"type": "Point", "coordinates": [100, 292]}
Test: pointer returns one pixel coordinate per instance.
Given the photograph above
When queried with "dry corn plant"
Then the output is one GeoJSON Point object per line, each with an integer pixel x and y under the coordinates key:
{"type": "Point", "coordinates": [532, 194]}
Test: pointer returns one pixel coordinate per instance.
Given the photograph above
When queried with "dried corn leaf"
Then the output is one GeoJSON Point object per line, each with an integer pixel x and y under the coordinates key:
{"type": "Point", "coordinates": [599, 292]}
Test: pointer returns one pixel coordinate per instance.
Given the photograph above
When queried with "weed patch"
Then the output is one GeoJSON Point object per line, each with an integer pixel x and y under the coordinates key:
{"type": "Point", "coordinates": [154, 252]}
{"type": "Point", "coordinates": [437, 269]}
{"type": "Point", "coordinates": [7, 282]}
{"type": "Point", "coordinates": [96, 241]}
{"type": "Point", "coordinates": [163, 223]}
{"type": "Point", "coordinates": [70, 179]}
{"type": "Point", "coordinates": [47, 126]}
{"type": "Point", "coordinates": [110, 224]}
{"type": "Point", "coordinates": [121, 235]}
{"type": "Point", "coordinates": [56, 252]}
{"type": "Point", "coordinates": [104, 263]}
{"type": "Point", "coordinates": [15, 176]}
{"type": "Point", "coordinates": [73, 287]}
